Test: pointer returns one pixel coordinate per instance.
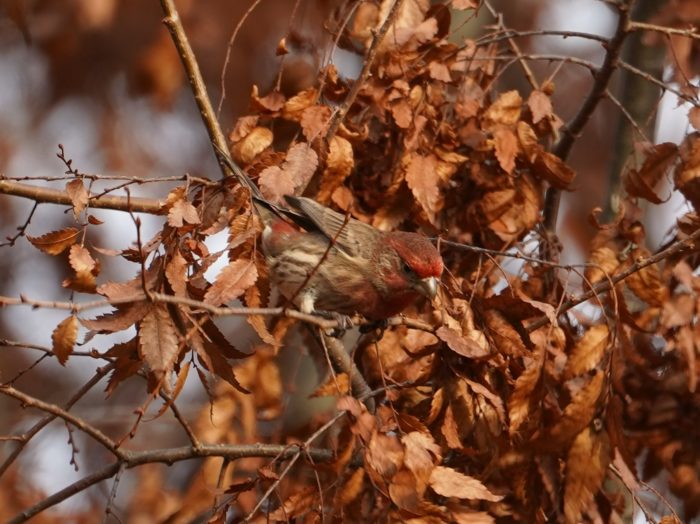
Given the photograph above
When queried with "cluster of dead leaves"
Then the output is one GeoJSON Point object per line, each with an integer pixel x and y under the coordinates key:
{"type": "Point", "coordinates": [490, 418]}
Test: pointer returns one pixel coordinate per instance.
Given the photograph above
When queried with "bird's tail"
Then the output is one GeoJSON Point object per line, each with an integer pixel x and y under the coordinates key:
{"type": "Point", "coordinates": [266, 209]}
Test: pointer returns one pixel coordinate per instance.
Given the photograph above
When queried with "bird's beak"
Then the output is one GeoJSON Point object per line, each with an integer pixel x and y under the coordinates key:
{"type": "Point", "coordinates": [428, 287]}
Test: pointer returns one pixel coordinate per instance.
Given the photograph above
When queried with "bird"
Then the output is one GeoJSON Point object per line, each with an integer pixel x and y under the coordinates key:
{"type": "Point", "coordinates": [325, 262]}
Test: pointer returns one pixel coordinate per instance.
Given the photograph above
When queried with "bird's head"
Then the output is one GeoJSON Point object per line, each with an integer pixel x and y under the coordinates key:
{"type": "Point", "coordinates": [415, 265]}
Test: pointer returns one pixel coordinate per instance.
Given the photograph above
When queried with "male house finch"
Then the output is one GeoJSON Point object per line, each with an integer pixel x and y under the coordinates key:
{"type": "Point", "coordinates": [376, 274]}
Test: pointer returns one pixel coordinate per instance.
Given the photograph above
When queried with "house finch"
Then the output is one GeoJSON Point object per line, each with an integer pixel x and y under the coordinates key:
{"type": "Point", "coordinates": [324, 261]}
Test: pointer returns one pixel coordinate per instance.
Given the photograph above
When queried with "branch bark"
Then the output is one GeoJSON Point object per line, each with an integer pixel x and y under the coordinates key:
{"type": "Point", "coordinates": [47, 195]}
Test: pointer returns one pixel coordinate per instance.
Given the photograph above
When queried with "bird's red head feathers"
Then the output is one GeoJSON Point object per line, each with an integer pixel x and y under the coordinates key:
{"type": "Point", "coordinates": [418, 252]}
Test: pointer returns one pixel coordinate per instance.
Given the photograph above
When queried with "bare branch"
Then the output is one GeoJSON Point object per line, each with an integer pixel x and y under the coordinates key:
{"type": "Point", "coordinates": [47, 195]}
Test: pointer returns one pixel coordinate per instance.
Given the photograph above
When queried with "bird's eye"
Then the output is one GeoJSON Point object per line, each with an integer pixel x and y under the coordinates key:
{"type": "Point", "coordinates": [406, 268]}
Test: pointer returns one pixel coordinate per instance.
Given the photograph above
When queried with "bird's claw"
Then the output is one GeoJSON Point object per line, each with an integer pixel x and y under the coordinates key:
{"type": "Point", "coordinates": [371, 326]}
{"type": "Point", "coordinates": [344, 322]}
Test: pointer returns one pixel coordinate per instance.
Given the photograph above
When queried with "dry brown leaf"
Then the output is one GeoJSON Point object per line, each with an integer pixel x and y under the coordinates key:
{"type": "Point", "coordinates": [78, 194]}
{"type": "Point", "coordinates": [296, 505]}
{"type": "Point", "coordinates": [586, 467]}
{"type": "Point", "coordinates": [404, 491]}
{"type": "Point", "coordinates": [254, 143]}
{"type": "Point", "coordinates": [540, 105]}
{"type": "Point", "coordinates": [687, 174]}
{"type": "Point", "coordinates": [272, 102]}
{"type": "Point", "coordinates": [176, 273]}
{"type": "Point", "coordinates": [314, 121]}
{"type": "Point", "coordinates": [352, 487]}
{"type": "Point", "coordinates": [80, 259]}
{"type": "Point", "coordinates": [460, 344]}
{"type": "Point", "coordinates": [182, 212]}
{"type": "Point", "coordinates": [384, 454]}
{"type": "Point", "coordinates": [449, 429]}
{"type": "Point", "coordinates": [527, 139]}
{"type": "Point", "coordinates": [244, 126]}
{"type": "Point", "coordinates": [123, 318]}
{"type": "Point", "coordinates": [694, 117]}
{"type": "Point", "coordinates": [450, 483]}
{"type": "Point", "coordinates": [63, 338]}
{"type": "Point", "coordinates": [578, 413]}
{"type": "Point", "coordinates": [602, 264]}
{"type": "Point", "coordinates": [505, 110]}
{"type": "Point", "coordinates": [647, 283]}
{"type": "Point", "coordinates": [295, 106]}
{"type": "Point", "coordinates": [523, 398]}
{"type": "Point", "coordinates": [56, 242]}
{"type": "Point", "coordinates": [422, 178]}
{"type": "Point", "coordinates": [659, 160]}
{"type": "Point", "coordinates": [421, 455]}
{"type": "Point", "coordinates": [275, 183]}
{"type": "Point", "coordinates": [232, 282]}
{"type": "Point", "coordinates": [554, 170]}
{"type": "Point", "coordinates": [158, 341]}
{"type": "Point", "coordinates": [439, 71]}
{"type": "Point", "coordinates": [334, 386]}
{"type": "Point", "coordinates": [588, 351]}
{"type": "Point", "coordinates": [339, 165]}
{"type": "Point", "coordinates": [504, 336]}
{"type": "Point", "coordinates": [466, 516]}
{"type": "Point", "coordinates": [301, 163]}
{"type": "Point", "coordinates": [402, 112]}
{"type": "Point", "coordinates": [506, 145]}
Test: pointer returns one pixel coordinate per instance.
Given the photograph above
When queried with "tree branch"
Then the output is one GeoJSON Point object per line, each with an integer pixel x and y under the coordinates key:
{"type": "Point", "coordinates": [199, 89]}
{"type": "Point", "coordinates": [47, 195]}
{"type": "Point", "coordinates": [571, 131]}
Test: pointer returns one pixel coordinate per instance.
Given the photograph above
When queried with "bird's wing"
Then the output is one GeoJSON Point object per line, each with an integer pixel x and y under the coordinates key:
{"type": "Point", "coordinates": [353, 240]}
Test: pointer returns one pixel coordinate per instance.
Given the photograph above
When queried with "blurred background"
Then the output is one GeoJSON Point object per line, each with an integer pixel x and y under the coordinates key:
{"type": "Point", "coordinates": [102, 78]}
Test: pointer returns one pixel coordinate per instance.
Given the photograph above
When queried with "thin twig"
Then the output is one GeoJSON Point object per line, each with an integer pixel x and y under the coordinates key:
{"type": "Point", "coordinates": [570, 132]}
{"type": "Point", "coordinates": [342, 111]}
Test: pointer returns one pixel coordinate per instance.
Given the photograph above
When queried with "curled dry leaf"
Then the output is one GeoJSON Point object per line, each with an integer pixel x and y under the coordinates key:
{"type": "Point", "coordinates": [254, 143]}
{"type": "Point", "coordinates": [56, 242]}
{"type": "Point", "coordinates": [506, 110]}
{"type": "Point", "coordinates": [63, 338]}
{"type": "Point", "coordinates": [586, 466]}
{"type": "Point", "coordinates": [232, 282]}
{"type": "Point", "coordinates": [339, 165]}
{"type": "Point", "coordinates": [78, 194]}
{"type": "Point", "coordinates": [295, 106]}
{"type": "Point", "coordinates": [554, 170]}
{"type": "Point", "coordinates": [642, 182]}
{"type": "Point", "coordinates": [588, 351]}
{"type": "Point", "coordinates": [272, 102]}
{"type": "Point", "coordinates": [602, 263]}
{"type": "Point", "coordinates": [451, 483]}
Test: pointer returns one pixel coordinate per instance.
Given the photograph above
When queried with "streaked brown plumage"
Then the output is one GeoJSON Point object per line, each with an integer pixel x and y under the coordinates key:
{"type": "Point", "coordinates": [374, 273]}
